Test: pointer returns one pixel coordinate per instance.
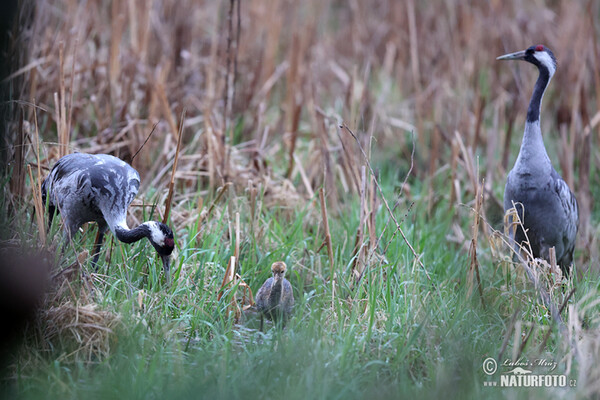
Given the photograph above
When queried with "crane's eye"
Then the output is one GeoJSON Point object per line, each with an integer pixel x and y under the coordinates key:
{"type": "Point", "coordinates": [539, 47]}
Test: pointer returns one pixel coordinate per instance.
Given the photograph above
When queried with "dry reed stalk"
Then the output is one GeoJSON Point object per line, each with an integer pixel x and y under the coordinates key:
{"type": "Point", "coordinates": [584, 200]}
{"type": "Point", "coordinates": [327, 240]}
{"type": "Point", "coordinates": [570, 136]}
{"type": "Point", "coordinates": [511, 115]}
{"type": "Point", "coordinates": [351, 96]}
{"type": "Point", "coordinates": [39, 208]}
{"type": "Point", "coordinates": [236, 250]}
{"type": "Point", "coordinates": [238, 34]}
{"type": "Point", "coordinates": [415, 68]}
{"type": "Point", "coordinates": [172, 181]}
{"type": "Point", "coordinates": [58, 122]}
{"type": "Point", "coordinates": [298, 75]}
{"type": "Point", "coordinates": [491, 147]}
{"type": "Point", "coordinates": [297, 110]}
{"type": "Point", "coordinates": [474, 266]}
{"type": "Point", "coordinates": [552, 261]}
{"type": "Point", "coordinates": [596, 54]}
{"type": "Point", "coordinates": [398, 227]}
{"type": "Point", "coordinates": [253, 192]}
{"type": "Point", "coordinates": [63, 134]}
{"type": "Point", "coordinates": [293, 107]}
{"type": "Point", "coordinates": [304, 177]}
{"type": "Point", "coordinates": [211, 74]}
{"type": "Point", "coordinates": [481, 102]}
{"type": "Point", "coordinates": [273, 27]}
{"type": "Point", "coordinates": [433, 161]}
{"type": "Point", "coordinates": [327, 172]}
{"type": "Point", "coordinates": [247, 296]}
{"type": "Point", "coordinates": [37, 193]}
{"type": "Point", "coordinates": [17, 180]}
{"type": "Point", "coordinates": [226, 95]}
{"type": "Point", "coordinates": [358, 264]}
{"type": "Point", "coordinates": [211, 153]}
{"type": "Point", "coordinates": [467, 157]}
{"type": "Point", "coordinates": [229, 280]}
{"type": "Point", "coordinates": [70, 116]}
{"type": "Point", "coordinates": [117, 23]}
{"type": "Point", "coordinates": [163, 100]}
{"type": "Point", "coordinates": [133, 10]}
{"type": "Point", "coordinates": [454, 191]}
{"type": "Point", "coordinates": [371, 216]}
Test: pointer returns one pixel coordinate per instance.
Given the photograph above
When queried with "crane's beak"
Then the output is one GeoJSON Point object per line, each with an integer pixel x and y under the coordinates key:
{"type": "Point", "coordinates": [519, 55]}
{"type": "Point", "coordinates": [166, 266]}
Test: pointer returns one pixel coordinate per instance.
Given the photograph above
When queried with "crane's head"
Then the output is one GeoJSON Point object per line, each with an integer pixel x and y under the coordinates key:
{"type": "Point", "coordinates": [540, 56]}
{"type": "Point", "coordinates": [161, 237]}
{"type": "Point", "coordinates": [278, 268]}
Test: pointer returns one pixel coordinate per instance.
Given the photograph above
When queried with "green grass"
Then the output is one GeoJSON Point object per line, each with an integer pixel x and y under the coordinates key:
{"type": "Point", "coordinates": [396, 334]}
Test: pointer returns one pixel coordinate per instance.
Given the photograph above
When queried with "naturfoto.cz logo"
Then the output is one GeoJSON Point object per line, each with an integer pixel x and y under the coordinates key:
{"type": "Point", "coordinates": [517, 374]}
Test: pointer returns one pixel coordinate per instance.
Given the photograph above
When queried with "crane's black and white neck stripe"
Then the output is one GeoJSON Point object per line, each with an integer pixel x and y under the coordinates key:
{"type": "Point", "coordinates": [546, 205]}
{"type": "Point", "coordinates": [85, 187]}
{"type": "Point", "coordinates": [543, 58]}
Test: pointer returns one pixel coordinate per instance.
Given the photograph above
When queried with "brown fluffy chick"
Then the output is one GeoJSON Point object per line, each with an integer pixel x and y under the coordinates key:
{"type": "Point", "coordinates": [275, 298]}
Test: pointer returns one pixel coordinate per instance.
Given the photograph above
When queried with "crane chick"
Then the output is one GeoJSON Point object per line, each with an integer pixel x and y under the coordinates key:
{"type": "Point", "coordinates": [99, 187]}
{"type": "Point", "coordinates": [275, 298]}
{"type": "Point", "coordinates": [545, 204]}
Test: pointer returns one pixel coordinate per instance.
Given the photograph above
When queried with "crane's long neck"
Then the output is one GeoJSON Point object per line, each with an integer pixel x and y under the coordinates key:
{"type": "Point", "coordinates": [533, 158]}
{"type": "Point", "coordinates": [535, 104]}
{"type": "Point", "coordinates": [126, 235]}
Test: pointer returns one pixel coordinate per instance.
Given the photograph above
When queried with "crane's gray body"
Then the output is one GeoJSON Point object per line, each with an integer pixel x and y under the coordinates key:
{"type": "Point", "coordinates": [86, 187]}
{"type": "Point", "coordinates": [275, 299]}
{"type": "Point", "coordinates": [550, 214]}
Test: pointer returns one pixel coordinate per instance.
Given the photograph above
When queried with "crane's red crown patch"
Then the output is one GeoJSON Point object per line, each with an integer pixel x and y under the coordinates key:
{"type": "Point", "coordinates": [539, 47]}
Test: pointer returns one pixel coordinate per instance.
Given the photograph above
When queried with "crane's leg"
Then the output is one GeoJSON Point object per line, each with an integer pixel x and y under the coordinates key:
{"type": "Point", "coordinates": [98, 245]}
{"type": "Point", "coordinates": [51, 212]}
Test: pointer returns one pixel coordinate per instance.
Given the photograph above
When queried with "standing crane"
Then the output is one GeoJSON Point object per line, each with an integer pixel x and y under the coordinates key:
{"type": "Point", "coordinates": [275, 298]}
{"type": "Point", "coordinates": [99, 187]}
{"type": "Point", "coordinates": [545, 205]}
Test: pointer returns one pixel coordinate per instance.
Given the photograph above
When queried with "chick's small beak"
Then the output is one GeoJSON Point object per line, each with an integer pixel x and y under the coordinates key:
{"type": "Point", "coordinates": [519, 55]}
{"type": "Point", "coordinates": [166, 266]}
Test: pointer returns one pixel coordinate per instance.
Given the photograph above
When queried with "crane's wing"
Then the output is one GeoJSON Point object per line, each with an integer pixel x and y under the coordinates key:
{"type": "Point", "coordinates": [263, 294]}
{"type": "Point", "coordinates": [96, 183]}
{"type": "Point", "coordinates": [571, 212]}
{"type": "Point", "coordinates": [288, 296]}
